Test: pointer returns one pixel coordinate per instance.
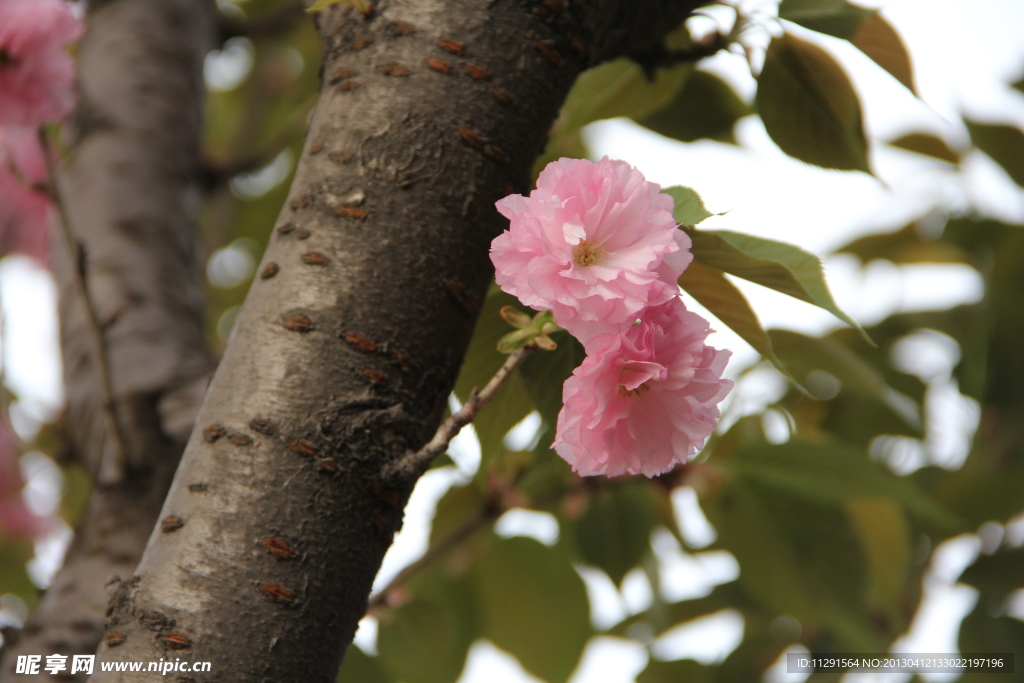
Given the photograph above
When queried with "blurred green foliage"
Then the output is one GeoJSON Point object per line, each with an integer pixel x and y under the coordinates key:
{"type": "Point", "coordinates": [259, 115]}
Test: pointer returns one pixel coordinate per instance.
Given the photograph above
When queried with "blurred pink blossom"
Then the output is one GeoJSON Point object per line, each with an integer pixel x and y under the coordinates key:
{"type": "Point", "coordinates": [36, 72]}
{"type": "Point", "coordinates": [23, 206]}
{"type": "Point", "coordinates": [644, 399]}
{"type": "Point", "coordinates": [595, 243]}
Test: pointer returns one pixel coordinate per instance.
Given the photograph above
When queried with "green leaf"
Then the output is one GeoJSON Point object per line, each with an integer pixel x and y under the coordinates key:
{"type": "Point", "coordinates": [533, 605]}
{"type": "Point", "coordinates": [507, 409]}
{"type": "Point", "coordinates": [796, 557]}
{"type": "Point", "coordinates": [1005, 144]}
{"type": "Point", "coordinates": [544, 373]}
{"type": "Point", "coordinates": [803, 355]}
{"type": "Point", "coordinates": [982, 632]}
{"type": "Point", "coordinates": [879, 40]}
{"type": "Point", "coordinates": [884, 533]}
{"type": "Point", "coordinates": [906, 245]}
{"type": "Point", "coordinates": [832, 474]}
{"type": "Point", "coordinates": [689, 207]}
{"type": "Point", "coordinates": [548, 476]}
{"type": "Point", "coordinates": [865, 28]}
{"type": "Point", "coordinates": [748, 662]}
{"type": "Point", "coordinates": [359, 667]}
{"type": "Point", "coordinates": [809, 107]}
{"type": "Point", "coordinates": [833, 17]}
{"type": "Point", "coordinates": [929, 145]}
{"type": "Point", "coordinates": [618, 88]}
{"type": "Point", "coordinates": [426, 639]}
{"type": "Point", "coordinates": [705, 107]}
{"type": "Point", "coordinates": [980, 491]}
{"type": "Point", "coordinates": [776, 265]}
{"type": "Point", "coordinates": [569, 145]}
{"type": "Point", "coordinates": [674, 672]}
{"type": "Point", "coordinates": [1018, 85]}
{"type": "Point", "coordinates": [722, 597]}
{"type": "Point", "coordinates": [997, 575]}
{"type": "Point", "coordinates": [714, 291]}
{"type": "Point", "coordinates": [415, 643]}
{"type": "Point", "coordinates": [457, 507]}
{"type": "Point", "coordinates": [664, 616]}
{"type": "Point", "coordinates": [614, 533]}
{"type": "Point", "coordinates": [15, 552]}
{"type": "Point", "coordinates": [858, 419]}
{"type": "Point", "coordinates": [769, 567]}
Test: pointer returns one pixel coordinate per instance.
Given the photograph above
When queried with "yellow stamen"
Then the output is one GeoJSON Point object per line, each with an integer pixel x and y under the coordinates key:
{"type": "Point", "coordinates": [587, 254]}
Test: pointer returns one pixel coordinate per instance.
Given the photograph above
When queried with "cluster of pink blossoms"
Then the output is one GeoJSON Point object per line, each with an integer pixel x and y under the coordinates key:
{"type": "Point", "coordinates": [36, 78]}
{"type": "Point", "coordinates": [597, 245]}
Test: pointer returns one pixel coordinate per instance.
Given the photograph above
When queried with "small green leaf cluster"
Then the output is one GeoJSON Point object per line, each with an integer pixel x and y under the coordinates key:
{"type": "Point", "coordinates": [533, 331]}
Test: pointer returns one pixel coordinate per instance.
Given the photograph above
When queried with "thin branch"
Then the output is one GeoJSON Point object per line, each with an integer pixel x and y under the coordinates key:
{"type": "Point", "coordinates": [415, 463]}
{"type": "Point", "coordinates": [488, 512]}
{"type": "Point", "coordinates": [485, 515]}
{"type": "Point", "coordinates": [493, 508]}
{"type": "Point", "coordinates": [114, 459]}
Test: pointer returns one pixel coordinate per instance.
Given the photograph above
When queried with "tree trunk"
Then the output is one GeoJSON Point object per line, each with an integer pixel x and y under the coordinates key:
{"type": "Point", "coordinates": [130, 189]}
{"type": "Point", "coordinates": [353, 332]}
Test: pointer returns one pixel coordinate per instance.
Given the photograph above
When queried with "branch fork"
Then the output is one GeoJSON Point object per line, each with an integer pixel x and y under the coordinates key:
{"type": "Point", "coordinates": [415, 463]}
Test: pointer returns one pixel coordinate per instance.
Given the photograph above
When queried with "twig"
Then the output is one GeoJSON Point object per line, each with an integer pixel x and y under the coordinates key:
{"type": "Point", "coordinates": [114, 458]}
{"type": "Point", "coordinates": [488, 513]}
{"type": "Point", "coordinates": [415, 463]}
{"type": "Point", "coordinates": [491, 510]}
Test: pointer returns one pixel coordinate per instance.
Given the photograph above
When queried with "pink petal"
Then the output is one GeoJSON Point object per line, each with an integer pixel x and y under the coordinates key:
{"type": "Point", "coordinates": [639, 251]}
{"type": "Point", "coordinates": [644, 399]}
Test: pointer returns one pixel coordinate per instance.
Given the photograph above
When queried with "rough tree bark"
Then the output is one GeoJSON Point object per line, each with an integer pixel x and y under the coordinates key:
{"type": "Point", "coordinates": [130, 189]}
{"type": "Point", "coordinates": [354, 330]}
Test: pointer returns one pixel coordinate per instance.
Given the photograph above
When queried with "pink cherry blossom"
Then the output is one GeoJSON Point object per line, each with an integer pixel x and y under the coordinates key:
{"type": "Point", "coordinates": [595, 243]}
{"type": "Point", "coordinates": [23, 208]}
{"type": "Point", "coordinates": [36, 72]}
{"type": "Point", "coordinates": [644, 399]}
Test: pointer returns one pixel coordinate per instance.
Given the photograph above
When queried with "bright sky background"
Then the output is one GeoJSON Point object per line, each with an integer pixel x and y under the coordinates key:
{"type": "Point", "coordinates": [964, 55]}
